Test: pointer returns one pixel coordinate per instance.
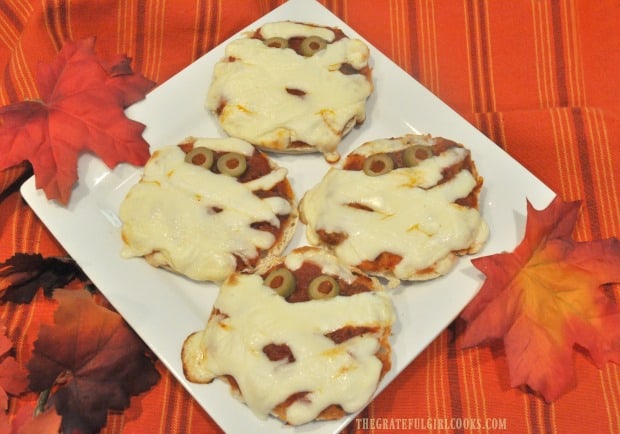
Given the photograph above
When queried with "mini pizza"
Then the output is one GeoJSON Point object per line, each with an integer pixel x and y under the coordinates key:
{"type": "Point", "coordinates": [208, 207]}
{"type": "Point", "coordinates": [306, 338]}
{"type": "Point", "coordinates": [402, 208]}
{"type": "Point", "coordinates": [292, 87]}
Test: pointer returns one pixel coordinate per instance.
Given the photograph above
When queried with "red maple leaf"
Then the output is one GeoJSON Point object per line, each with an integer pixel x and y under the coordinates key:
{"type": "Point", "coordinates": [23, 274]}
{"type": "Point", "coordinates": [81, 108]}
{"type": "Point", "coordinates": [90, 360]}
{"type": "Point", "coordinates": [545, 299]}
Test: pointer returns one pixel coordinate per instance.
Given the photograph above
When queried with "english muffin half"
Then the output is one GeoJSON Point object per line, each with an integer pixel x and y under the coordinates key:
{"type": "Point", "coordinates": [306, 338]}
{"type": "Point", "coordinates": [206, 208]}
{"type": "Point", "coordinates": [292, 87]}
{"type": "Point", "coordinates": [403, 208]}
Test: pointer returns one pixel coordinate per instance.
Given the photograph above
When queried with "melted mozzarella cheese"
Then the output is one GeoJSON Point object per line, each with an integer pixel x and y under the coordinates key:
{"type": "Point", "coordinates": [323, 259]}
{"type": "Point", "coordinates": [196, 220]}
{"type": "Point", "coordinates": [253, 315]}
{"type": "Point", "coordinates": [411, 215]}
{"type": "Point", "coordinates": [260, 110]}
{"type": "Point", "coordinates": [289, 29]}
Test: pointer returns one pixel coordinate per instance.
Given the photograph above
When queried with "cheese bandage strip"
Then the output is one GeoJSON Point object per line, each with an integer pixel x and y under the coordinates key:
{"type": "Point", "coordinates": [249, 316]}
{"type": "Point", "coordinates": [195, 221]}
{"type": "Point", "coordinates": [278, 99]}
{"type": "Point", "coordinates": [410, 212]}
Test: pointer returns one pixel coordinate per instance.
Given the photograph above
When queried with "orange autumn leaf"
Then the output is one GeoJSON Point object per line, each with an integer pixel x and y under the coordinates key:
{"type": "Point", "coordinates": [13, 377]}
{"type": "Point", "coordinates": [27, 421]}
{"type": "Point", "coordinates": [545, 299]}
{"type": "Point", "coordinates": [81, 109]}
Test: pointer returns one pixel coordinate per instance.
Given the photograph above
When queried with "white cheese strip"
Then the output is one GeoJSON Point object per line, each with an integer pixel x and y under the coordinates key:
{"type": "Point", "coordinates": [289, 29]}
{"type": "Point", "coordinates": [323, 259]}
{"type": "Point", "coordinates": [198, 220]}
{"type": "Point", "coordinates": [253, 316]}
{"type": "Point", "coordinates": [228, 144]}
{"type": "Point", "coordinates": [260, 110]}
{"type": "Point", "coordinates": [409, 216]}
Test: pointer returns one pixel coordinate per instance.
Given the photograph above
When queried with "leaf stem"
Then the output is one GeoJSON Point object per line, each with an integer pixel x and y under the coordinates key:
{"type": "Point", "coordinates": [41, 402]}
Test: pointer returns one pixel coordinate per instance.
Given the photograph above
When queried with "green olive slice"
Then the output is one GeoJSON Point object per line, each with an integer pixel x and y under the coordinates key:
{"type": "Point", "coordinates": [323, 286]}
{"type": "Point", "coordinates": [200, 156]}
{"type": "Point", "coordinates": [311, 45]}
{"type": "Point", "coordinates": [281, 280]}
{"type": "Point", "coordinates": [378, 164]}
{"type": "Point", "coordinates": [416, 153]}
{"type": "Point", "coordinates": [232, 164]}
{"type": "Point", "coordinates": [276, 42]}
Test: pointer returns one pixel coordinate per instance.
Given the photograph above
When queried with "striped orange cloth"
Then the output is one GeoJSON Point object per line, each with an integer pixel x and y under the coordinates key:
{"type": "Point", "coordinates": [539, 77]}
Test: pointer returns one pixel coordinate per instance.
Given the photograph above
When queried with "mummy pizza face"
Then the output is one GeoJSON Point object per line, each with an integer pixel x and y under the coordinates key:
{"type": "Point", "coordinates": [299, 356]}
{"type": "Point", "coordinates": [207, 208]}
{"type": "Point", "coordinates": [402, 208]}
{"type": "Point", "coordinates": [292, 87]}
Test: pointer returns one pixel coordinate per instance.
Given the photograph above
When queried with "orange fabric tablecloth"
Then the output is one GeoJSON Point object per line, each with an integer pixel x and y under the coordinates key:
{"type": "Point", "coordinates": [539, 77]}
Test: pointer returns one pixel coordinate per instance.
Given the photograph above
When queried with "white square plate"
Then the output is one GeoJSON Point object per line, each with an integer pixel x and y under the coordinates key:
{"type": "Point", "coordinates": [164, 308]}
